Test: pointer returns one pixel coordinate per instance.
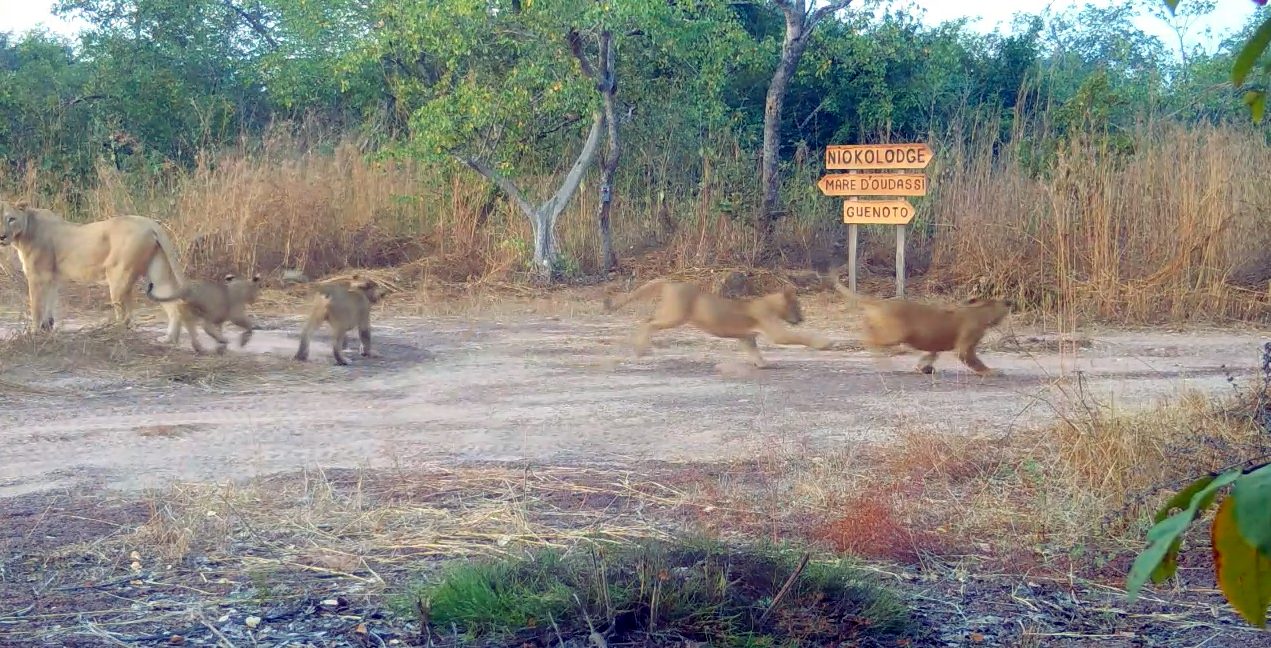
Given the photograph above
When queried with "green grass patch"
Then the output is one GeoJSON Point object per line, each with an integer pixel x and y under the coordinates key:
{"type": "Point", "coordinates": [702, 591]}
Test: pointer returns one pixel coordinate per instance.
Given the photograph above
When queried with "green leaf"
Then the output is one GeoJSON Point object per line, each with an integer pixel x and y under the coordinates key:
{"type": "Point", "coordinates": [1159, 559]}
{"type": "Point", "coordinates": [1184, 497]}
{"type": "Point", "coordinates": [1244, 575]}
{"type": "Point", "coordinates": [1169, 562]}
{"type": "Point", "coordinates": [1253, 508]}
{"type": "Point", "coordinates": [1257, 102]}
{"type": "Point", "coordinates": [1256, 45]}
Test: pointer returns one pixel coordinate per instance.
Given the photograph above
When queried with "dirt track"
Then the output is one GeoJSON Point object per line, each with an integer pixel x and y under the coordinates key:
{"type": "Point", "coordinates": [548, 389]}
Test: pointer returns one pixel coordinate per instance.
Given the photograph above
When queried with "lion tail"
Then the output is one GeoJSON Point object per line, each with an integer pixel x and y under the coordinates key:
{"type": "Point", "coordinates": [643, 292]}
{"type": "Point", "coordinates": [170, 298]}
{"type": "Point", "coordinates": [853, 298]}
{"type": "Point", "coordinates": [169, 252]}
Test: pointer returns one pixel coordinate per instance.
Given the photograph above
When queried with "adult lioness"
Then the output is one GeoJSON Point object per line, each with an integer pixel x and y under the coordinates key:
{"type": "Point", "coordinates": [213, 303]}
{"type": "Point", "coordinates": [119, 250]}
{"type": "Point", "coordinates": [741, 319]}
{"type": "Point", "coordinates": [931, 329]}
{"type": "Point", "coordinates": [345, 306]}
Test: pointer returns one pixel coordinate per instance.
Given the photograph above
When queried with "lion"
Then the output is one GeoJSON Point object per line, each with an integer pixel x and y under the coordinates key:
{"type": "Point", "coordinates": [214, 303]}
{"type": "Point", "coordinates": [740, 319]}
{"type": "Point", "coordinates": [118, 250]}
{"type": "Point", "coordinates": [888, 323]}
{"type": "Point", "coordinates": [345, 306]}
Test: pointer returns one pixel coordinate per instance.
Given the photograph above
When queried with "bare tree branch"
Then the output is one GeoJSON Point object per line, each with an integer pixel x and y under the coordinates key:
{"type": "Point", "coordinates": [507, 186]}
{"type": "Point", "coordinates": [252, 21]}
{"type": "Point", "coordinates": [576, 46]}
{"type": "Point", "coordinates": [825, 11]}
{"type": "Point", "coordinates": [556, 205]}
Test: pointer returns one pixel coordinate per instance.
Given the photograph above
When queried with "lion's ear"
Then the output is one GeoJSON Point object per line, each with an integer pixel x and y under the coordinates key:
{"type": "Point", "coordinates": [974, 301]}
{"type": "Point", "coordinates": [229, 277]}
{"type": "Point", "coordinates": [256, 277]}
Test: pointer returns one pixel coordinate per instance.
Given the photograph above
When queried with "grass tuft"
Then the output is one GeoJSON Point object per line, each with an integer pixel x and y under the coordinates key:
{"type": "Point", "coordinates": [685, 590]}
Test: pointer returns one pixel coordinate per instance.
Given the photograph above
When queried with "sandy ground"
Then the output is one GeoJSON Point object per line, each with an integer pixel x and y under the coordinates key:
{"type": "Point", "coordinates": [566, 389]}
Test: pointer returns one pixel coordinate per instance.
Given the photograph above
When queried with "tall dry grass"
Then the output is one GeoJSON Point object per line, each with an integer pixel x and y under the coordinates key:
{"type": "Point", "coordinates": [1170, 224]}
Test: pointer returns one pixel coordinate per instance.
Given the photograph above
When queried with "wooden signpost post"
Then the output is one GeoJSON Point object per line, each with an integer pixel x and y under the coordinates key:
{"type": "Point", "coordinates": [876, 157]}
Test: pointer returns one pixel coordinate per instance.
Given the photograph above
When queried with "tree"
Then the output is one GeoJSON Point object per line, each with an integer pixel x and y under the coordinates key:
{"type": "Point", "coordinates": [801, 19]}
{"type": "Point", "coordinates": [1246, 60]}
{"type": "Point", "coordinates": [493, 85]}
{"type": "Point", "coordinates": [488, 84]}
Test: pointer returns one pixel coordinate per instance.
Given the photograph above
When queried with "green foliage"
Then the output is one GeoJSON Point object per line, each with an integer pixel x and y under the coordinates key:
{"type": "Point", "coordinates": [152, 83]}
{"type": "Point", "coordinates": [1240, 532]}
{"type": "Point", "coordinates": [699, 590]}
{"type": "Point", "coordinates": [1246, 57]}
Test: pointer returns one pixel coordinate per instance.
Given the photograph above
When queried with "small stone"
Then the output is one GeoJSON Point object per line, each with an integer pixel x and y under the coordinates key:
{"type": "Point", "coordinates": [252, 622]}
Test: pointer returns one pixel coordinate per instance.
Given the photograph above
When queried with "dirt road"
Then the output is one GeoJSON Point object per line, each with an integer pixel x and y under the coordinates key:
{"type": "Point", "coordinates": [547, 389]}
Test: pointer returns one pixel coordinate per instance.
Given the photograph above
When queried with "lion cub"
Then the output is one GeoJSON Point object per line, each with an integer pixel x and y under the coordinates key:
{"type": "Point", "coordinates": [741, 319]}
{"type": "Point", "coordinates": [214, 303]}
{"type": "Point", "coordinates": [345, 307]}
{"type": "Point", "coordinates": [931, 329]}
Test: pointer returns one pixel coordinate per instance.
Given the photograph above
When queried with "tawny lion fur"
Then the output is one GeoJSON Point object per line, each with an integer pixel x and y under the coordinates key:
{"type": "Point", "coordinates": [931, 329]}
{"type": "Point", "coordinates": [681, 303]}
{"type": "Point", "coordinates": [213, 303]}
{"type": "Point", "coordinates": [117, 250]}
{"type": "Point", "coordinates": [345, 306]}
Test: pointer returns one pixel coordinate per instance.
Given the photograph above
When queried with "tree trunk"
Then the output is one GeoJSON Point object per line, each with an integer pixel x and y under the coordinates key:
{"type": "Point", "coordinates": [791, 51]}
{"type": "Point", "coordinates": [799, 26]}
{"type": "Point", "coordinates": [607, 85]}
{"type": "Point", "coordinates": [544, 226]}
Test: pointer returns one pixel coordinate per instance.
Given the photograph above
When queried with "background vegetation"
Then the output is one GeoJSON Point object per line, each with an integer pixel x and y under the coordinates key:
{"type": "Point", "coordinates": [1082, 165]}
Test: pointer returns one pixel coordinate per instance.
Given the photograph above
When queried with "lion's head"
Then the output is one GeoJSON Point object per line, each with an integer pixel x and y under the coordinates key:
{"type": "Point", "coordinates": [988, 312]}
{"type": "Point", "coordinates": [367, 287]}
{"type": "Point", "coordinates": [16, 219]}
{"type": "Point", "coordinates": [785, 304]}
{"type": "Point", "coordinates": [243, 291]}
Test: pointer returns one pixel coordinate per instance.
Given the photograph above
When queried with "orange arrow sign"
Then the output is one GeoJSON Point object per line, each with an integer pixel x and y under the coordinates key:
{"type": "Point", "coordinates": [873, 184]}
{"type": "Point", "coordinates": [877, 212]}
{"type": "Point", "coordinates": [878, 156]}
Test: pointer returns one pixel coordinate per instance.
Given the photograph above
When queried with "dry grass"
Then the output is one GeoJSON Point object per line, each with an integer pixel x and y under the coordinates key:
{"type": "Point", "coordinates": [359, 525]}
{"type": "Point", "coordinates": [1075, 497]}
{"type": "Point", "coordinates": [105, 356]}
{"type": "Point", "coordinates": [1166, 227]}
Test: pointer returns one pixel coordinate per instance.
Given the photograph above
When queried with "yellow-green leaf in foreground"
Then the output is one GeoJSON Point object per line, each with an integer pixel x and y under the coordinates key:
{"type": "Point", "coordinates": [1160, 558]}
{"type": "Point", "coordinates": [1244, 575]}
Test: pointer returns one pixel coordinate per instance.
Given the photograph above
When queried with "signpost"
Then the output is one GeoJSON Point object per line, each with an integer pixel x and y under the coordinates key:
{"type": "Point", "coordinates": [873, 184]}
{"type": "Point", "coordinates": [878, 212]}
{"type": "Point", "coordinates": [871, 157]}
{"type": "Point", "coordinates": [861, 157]}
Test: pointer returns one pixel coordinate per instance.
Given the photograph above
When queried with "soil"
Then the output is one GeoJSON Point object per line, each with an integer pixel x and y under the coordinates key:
{"type": "Point", "coordinates": [566, 389]}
